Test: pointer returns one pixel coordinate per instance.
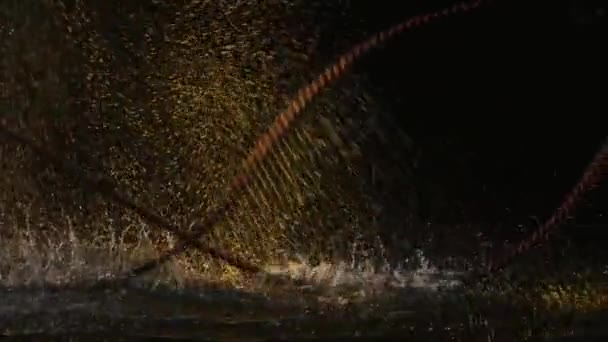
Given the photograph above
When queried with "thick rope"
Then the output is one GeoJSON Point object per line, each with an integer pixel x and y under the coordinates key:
{"type": "Point", "coordinates": [108, 190]}
{"type": "Point", "coordinates": [595, 172]}
{"type": "Point", "coordinates": [277, 131]}
{"type": "Point", "coordinates": [280, 128]}
{"type": "Point", "coordinates": [286, 119]}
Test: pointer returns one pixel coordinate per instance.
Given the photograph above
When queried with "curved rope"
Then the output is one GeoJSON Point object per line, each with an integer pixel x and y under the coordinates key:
{"type": "Point", "coordinates": [286, 119]}
{"type": "Point", "coordinates": [108, 190]}
{"type": "Point", "coordinates": [593, 175]}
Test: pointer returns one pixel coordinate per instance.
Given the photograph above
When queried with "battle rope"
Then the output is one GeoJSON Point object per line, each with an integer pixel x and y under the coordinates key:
{"type": "Point", "coordinates": [593, 175]}
{"type": "Point", "coordinates": [107, 190]}
{"type": "Point", "coordinates": [285, 120]}
{"type": "Point", "coordinates": [264, 145]}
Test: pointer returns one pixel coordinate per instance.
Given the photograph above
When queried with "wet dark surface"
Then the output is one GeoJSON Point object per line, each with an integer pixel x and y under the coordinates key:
{"type": "Point", "coordinates": [231, 315]}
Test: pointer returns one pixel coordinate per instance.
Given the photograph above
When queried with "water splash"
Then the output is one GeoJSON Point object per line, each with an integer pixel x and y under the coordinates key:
{"type": "Point", "coordinates": [367, 277]}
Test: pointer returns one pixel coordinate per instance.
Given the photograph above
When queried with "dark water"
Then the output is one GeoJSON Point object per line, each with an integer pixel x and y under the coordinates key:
{"type": "Point", "coordinates": [232, 315]}
{"type": "Point", "coordinates": [214, 315]}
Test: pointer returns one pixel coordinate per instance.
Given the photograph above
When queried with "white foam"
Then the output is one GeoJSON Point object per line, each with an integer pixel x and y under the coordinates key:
{"type": "Point", "coordinates": [365, 275]}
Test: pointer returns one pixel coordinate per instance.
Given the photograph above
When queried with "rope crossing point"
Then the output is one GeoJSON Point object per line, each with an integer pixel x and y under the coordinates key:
{"type": "Point", "coordinates": [283, 123]}
{"type": "Point", "coordinates": [265, 144]}
{"type": "Point", "coordinates": [108, 190]}
{"type": "Point", "coordinates": [592, 176]}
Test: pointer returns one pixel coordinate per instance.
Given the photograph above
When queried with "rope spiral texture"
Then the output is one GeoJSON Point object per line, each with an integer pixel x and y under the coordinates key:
{"type": "Point", "coordinates": [282, 124]}
{"type": "Point", "coordinates": [593, 175]}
